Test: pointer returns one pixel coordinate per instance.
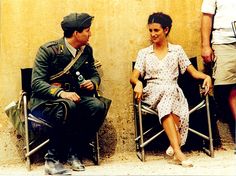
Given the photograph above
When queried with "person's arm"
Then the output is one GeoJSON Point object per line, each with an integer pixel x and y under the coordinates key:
{"type": "Point", "coordinates": [206, 29]}
{"type": "Point", "coordinates": [138, 85]}
{"type": "Point", "coordinates": [40, 79]}
{"type": "Point", "coordinates": [207, 83]}
{"type": "Point", "coordinates": [40, 76]}
{"type": "Point", "coordinates": [89, 71]}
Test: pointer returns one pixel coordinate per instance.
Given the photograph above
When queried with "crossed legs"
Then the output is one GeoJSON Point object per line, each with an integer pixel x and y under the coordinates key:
{"type": "Point", "coordinates": [170, 122]}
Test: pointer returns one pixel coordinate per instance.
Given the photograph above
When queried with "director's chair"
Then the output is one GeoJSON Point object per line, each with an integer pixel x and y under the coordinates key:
{"type": "Point", "coordinates": [144, 136]}
{"type": "Point", "coordinates": [36, 128]}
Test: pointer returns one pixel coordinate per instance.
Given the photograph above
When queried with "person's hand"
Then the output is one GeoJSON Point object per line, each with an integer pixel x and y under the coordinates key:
{"type": "Point", "coordinates": [87, 84]}
{"type": "Point", "coordinates": [70, 96]}
{"type": "Point", "coordinates": [207, 54]}
{"type": "Point", "coordinates": [138, 90]}
{"type": "Point", "coordinates": [207, 84]}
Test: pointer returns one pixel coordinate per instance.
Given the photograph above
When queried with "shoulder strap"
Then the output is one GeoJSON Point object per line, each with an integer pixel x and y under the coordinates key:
{"type": "Point", "coordinates": [67, 68]}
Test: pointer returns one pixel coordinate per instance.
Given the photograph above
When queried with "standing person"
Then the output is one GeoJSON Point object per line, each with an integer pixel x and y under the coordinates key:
{"type": "Point", "coordinates": [219, 49]}
{"type": "Point", "coordinates": [158, 65]}
{"type": "Point", "coordinates": [57, 95]}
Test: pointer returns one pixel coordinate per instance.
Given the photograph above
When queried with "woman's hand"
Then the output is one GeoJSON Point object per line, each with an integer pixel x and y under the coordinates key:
{"type": "Point", "coordinates": [207, 84]}
{"type": "Point", "coordinates": [138, 90]}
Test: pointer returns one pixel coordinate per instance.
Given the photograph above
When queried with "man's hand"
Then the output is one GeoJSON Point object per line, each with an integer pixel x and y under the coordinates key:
{"type": "Point", "coordinates": [70, 96]}
{"type": "Point", "coordinates": [87, 84]}
{"type": "Point", "coordinates": [207, 54]}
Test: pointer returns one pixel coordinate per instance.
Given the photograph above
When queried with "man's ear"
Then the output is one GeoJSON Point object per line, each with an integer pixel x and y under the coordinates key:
{"type": "Point", "coordinates": [74, 33]}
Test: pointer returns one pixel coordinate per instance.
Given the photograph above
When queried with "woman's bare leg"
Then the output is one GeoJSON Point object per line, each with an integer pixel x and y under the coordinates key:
{"type": "Point", "coordinates": [168, 123]}
{"type": "Point", "coordinates": [176, 119]}
{"type": "Point", "coordinates": [170, 150]}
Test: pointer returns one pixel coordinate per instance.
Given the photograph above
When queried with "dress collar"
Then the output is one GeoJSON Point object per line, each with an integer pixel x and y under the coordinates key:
{"type": "Point", "coordinates": [151, 48]}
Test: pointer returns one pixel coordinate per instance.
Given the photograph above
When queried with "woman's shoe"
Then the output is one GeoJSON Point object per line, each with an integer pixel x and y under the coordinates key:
{"type": "Point", "coordinates": [170, 151]}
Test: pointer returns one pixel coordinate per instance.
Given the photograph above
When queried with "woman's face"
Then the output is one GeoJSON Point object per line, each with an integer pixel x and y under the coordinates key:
{"type": "Point", "coordinates": [157, 33]}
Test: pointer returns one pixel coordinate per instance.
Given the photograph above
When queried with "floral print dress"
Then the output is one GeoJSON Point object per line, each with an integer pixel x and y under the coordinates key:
{"type": "Point", "coordinates": [162, 92]}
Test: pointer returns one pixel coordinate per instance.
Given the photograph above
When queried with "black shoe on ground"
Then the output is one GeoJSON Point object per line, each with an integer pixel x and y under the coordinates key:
{"type": "Point", "coordinates": [75, 163]}
{"type": "Point", "coordinates": [54, 167]}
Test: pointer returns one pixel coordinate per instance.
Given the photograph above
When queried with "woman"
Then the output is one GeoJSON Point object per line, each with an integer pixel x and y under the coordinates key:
{"type": "Point", "coordinates": [159, 65]}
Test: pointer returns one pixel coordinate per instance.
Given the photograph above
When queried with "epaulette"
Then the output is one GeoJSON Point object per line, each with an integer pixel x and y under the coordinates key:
{"type": "Point", "coordinates": [49, 44]}
{"type": "Point", "coordinates": [57, 48]}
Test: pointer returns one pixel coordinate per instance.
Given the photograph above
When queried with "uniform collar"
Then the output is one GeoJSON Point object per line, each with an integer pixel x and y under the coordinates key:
{"type": "Point", "coordinates": [72, 50]}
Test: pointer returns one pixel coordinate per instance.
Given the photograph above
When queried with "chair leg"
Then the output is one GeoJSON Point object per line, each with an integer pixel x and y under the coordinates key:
{"type": "Point", "coordinates": [141, 132]}
{"type": "Point", "coordinates": [97, 157]}
{"type": "Point", "coordinates": [28, 165]}
{"type": "Point", "coordinates": [94, 144]}
{"type": "Point", "coordinates": [209, 127]}
{"type": "Point", "coordinates": [135, 127]}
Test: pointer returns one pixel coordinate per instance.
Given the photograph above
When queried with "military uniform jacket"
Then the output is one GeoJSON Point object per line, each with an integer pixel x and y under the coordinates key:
{"type": "Point", "coordinates": [52, 58]}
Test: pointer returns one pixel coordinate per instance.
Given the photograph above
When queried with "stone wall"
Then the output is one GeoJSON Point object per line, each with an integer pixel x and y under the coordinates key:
{"type": "Point", "coordinates": [119, 30]}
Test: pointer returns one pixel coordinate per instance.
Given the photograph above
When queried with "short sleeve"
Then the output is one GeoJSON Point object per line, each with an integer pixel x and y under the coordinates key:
{"type": "Point", "coordinates": [208, 6]}
{"type": "Point", "coordinates": [140, 63]}
{"type": "Point", "coordinates": [183, 60]}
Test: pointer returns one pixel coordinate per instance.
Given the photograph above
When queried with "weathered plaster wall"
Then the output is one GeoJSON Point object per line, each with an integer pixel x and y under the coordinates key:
{"type": "Point", "coordinates": [118, 32]}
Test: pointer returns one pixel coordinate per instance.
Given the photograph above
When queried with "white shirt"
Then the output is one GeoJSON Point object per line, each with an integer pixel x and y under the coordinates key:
{"type": "Point", "coordinates": [225, 14]}
{"type": "Point", "coordinates": [70, 48]}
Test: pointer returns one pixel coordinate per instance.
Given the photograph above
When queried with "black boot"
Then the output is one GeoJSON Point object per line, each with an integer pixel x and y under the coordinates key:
{"type": "Point", "coordinates": [74, 159]}
{"type": "Point", "coordinates": [75, 163]}
{"type": "Point", "coordinates": [53, 166]}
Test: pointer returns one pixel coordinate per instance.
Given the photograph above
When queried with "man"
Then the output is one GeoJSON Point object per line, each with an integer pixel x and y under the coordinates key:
{"type": "Point", "coordinates": [219, 48]}
{"type": "Point", "coordinates": [57, 96]}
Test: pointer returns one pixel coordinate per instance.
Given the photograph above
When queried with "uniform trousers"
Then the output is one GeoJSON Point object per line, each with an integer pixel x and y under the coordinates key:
{"type": "Point", "coordinates": [73, 124]}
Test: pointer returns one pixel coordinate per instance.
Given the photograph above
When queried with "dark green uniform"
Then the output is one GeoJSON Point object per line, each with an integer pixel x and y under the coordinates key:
{"type": "Point", "coordinates": [71, 121]}
{"type": "Point", "coordinates": [52, 58]}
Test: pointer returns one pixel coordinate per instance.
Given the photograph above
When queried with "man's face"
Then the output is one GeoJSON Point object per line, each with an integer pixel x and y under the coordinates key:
{"type": "Point", "coordinates": [83, 37]}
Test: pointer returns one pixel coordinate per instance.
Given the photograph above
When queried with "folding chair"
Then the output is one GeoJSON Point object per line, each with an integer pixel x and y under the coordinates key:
{"type": "Point", "coordinates": [144, 136]}
{"type": "Point", "coordinates": [234, 27]}
{"type": "Point", "coordinates": [34, 141]}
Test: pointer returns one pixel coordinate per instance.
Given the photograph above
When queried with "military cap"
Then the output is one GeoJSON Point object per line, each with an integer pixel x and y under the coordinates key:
{"type": "Point", "coordinates": [76, 20]}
